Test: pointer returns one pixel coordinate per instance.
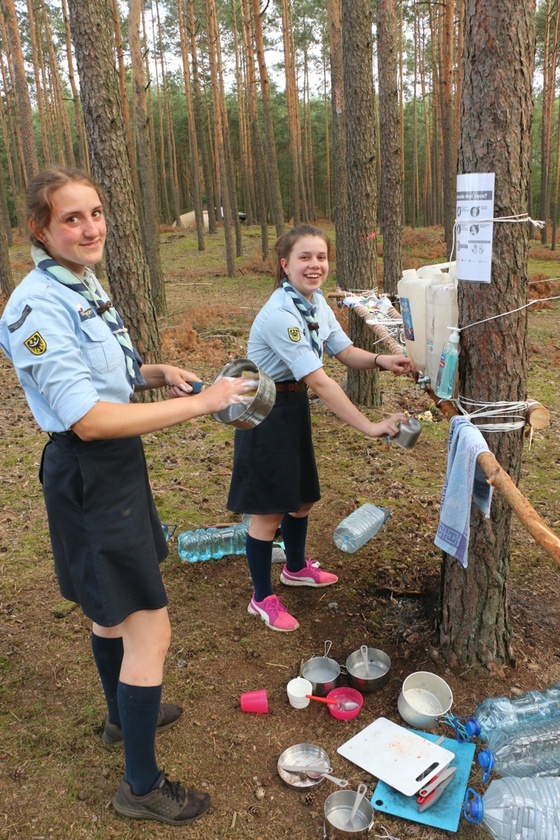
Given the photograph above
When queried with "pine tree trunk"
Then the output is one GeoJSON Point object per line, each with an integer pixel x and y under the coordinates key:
{"type": "Point", "coordinates": [23, 104]}
{"type": "Point", "coordinates": [6, 279]}
{"type": "Point", "coordinates": [359, 101]}
{"type": "Point", "coordinates": [201, 121]}
{"type": "Point", "coordinates": [257, 149]}
{"type": "Point", "coordinates": [145, 161]}
{"type": "Point", "coordinates": [474, 625]}
{"type": "Point", "coordinates": [193, 142]}
{"type": "Point", "coordinates": [390, 144]}
{"type": "Point", "coordinates": [273, 176]}
{"type": "Point", "coordinates": [127, 268]}
{"type": "Point", "coordinates": [340, 173]}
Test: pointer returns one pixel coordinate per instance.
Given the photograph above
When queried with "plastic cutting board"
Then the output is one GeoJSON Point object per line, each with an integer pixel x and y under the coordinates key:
{"type": "Point", "coordinates": [397, 756]}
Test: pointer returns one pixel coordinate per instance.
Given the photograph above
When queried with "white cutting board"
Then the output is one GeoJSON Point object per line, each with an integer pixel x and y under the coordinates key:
{"type": "Point", "coordinates": [396, 756]}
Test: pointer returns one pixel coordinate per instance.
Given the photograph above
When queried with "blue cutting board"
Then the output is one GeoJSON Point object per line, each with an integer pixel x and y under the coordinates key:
{"type": "Point", "coordinates": [446, 812]}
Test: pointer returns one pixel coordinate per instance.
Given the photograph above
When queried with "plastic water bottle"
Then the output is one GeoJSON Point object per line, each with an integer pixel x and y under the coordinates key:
{"type": "Point", "coordinates": [503, 712]}
{"type": "Point", "coordinates": [531, 749]}
{"type": "Point", "coordinates": [212, 543]}
{"type": "Point", "coordinates": [359, 527]}
{"type": "Point", "coordinates": [514, 808]}
{"type": "Point", "coordinates": [448, 366]}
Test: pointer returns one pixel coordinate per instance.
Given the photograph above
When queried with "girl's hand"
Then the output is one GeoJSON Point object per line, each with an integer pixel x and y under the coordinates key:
{"type": "Point", "coordinates": [398, 365]}
{"type": "Point", "coordinates": [388, 427]}
{"type": "Point", "coordinates": [179, 381]}
{"type": "Point", "coordinates": [228, 390]}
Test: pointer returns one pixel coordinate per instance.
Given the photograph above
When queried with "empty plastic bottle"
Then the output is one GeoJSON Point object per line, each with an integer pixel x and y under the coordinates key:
{"type": "Point", "coordinates": [359, 527]}
{"type": "Point", "coordinates": [212, 543]}
{"type": "Point", "coordinates": [504, 713]}
{"type": "Point", "coordinates": [531, 749]}
{"type": "Point", "coordinates": [517, 808]}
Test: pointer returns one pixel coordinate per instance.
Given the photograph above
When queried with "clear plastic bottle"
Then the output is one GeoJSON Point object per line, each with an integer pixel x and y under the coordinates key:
{"type": "Point", "coordinates": [517, 808]}
{"type": "Point", "coordinates": [503, 712]}
{"type": "Point", "coordinates": [531, 749]}
{"type": "Point", "coordinates": [212, 543]}
{"type": "Point", "coordinates": [448, 366]}
{"type": "Point", "coordinates": [359, 527]}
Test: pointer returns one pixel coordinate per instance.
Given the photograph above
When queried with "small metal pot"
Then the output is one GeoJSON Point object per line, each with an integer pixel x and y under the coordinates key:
{"type": "Point", "coordinates": [379, 665]}
{"type": "Point", "coordinates": [305, 755]}
{"type": "Point", "coordinates": [424, 698]}
{"type": "Point", "coordinates": [337, 810]}
{"type": "Point", "coordinates": [322, 672]}
{"type": "Point", "coordinates": [248, 416]}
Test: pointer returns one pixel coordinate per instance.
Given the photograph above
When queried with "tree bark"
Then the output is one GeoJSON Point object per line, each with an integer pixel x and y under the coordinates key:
{"type": "Point", "coordinates": [145, 161]}
{"type": "Point", "coordinates": [496, 103]}
{"type": "Point", "coordinates": [22, 101]}
{"type": "Point", "coordinates": [390, 144]}
{"type": "Point", "coordinates": [273, 176]}
{"type": "Point", "coordinates": [340, 174]}
{"type": "Point", "coordinates": [127, 269]}
{"type": "Point", "coordinates": [359, 101]}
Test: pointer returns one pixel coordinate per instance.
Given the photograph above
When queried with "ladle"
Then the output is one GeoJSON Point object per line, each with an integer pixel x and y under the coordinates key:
{"type": "Point", "coordinates": [360, 793]}
{"type": "Point", "coordinates": [344, 705]}
{"type": "Point", "coordinates": [365, 655]}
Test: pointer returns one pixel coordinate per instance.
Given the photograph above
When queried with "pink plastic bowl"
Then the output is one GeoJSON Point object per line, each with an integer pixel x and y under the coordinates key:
{"type": "Point", "coordinates": [345, 693]}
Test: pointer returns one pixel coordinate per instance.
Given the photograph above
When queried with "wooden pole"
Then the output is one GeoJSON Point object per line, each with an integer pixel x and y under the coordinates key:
{"type": "Point", "coordinates": [494, 473]}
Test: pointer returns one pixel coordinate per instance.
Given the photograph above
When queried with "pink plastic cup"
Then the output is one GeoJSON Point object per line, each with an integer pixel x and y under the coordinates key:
{"type": "Point", "coordinates": [255, 701]}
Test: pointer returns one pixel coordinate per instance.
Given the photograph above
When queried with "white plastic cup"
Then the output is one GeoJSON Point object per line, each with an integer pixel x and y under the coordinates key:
{"type": "Point", "coordinates": [297, 689]}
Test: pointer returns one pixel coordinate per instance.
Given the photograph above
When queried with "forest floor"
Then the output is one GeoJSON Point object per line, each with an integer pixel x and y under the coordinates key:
{"type": "Point", "coordinates": [56, 777]}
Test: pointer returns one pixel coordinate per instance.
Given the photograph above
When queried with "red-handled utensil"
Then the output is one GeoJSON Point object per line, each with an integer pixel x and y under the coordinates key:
{"type": "Point", "coordinates": [345, 705]}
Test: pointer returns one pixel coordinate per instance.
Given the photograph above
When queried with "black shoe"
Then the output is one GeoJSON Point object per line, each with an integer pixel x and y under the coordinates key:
{"type": "Point", "coordinates": [167, 802]}
{"type": "Point", "coordinates": [169, 715]}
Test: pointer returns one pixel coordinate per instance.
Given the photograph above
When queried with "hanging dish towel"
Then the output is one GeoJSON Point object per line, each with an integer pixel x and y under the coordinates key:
{"type": "Point", "coordinates": [465, 483]}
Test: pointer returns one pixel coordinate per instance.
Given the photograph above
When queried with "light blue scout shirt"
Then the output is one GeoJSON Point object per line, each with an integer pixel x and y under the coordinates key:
{"type": "Point", "coordinates": [65, 355]}
{"type": "Point", "coordinates": [279, 340]}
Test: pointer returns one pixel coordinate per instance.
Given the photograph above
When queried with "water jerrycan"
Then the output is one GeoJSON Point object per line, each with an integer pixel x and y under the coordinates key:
{"type": "Point", "coordinates": [411, 289]}
{"type": "Point", "coordinates": [441, 312]}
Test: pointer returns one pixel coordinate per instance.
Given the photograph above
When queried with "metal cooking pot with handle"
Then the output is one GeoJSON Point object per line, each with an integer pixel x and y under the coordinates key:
{"type": "Point", "coordinates": [248, 416]}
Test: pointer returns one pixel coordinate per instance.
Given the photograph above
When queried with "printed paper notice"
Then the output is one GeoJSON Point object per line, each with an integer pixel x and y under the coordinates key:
{"type": "Point", "coordinates": [475, 211]}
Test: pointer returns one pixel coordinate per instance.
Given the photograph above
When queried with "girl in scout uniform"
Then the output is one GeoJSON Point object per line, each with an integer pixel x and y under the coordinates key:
{"type": "Point", "coordinates": [274, 474]}
{"type": "Point", "coordinates": [78, 369]}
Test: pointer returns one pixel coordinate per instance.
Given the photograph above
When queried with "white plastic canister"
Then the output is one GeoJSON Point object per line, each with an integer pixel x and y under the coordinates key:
{"type": "Point", "coordinates": [412, 298]}
{"type": "Point", "coordinates": [441, 313]}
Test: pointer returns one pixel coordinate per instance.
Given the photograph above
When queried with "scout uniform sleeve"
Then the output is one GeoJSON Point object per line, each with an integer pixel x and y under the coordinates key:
{"type": "Point", "coordinates": [47, 357]}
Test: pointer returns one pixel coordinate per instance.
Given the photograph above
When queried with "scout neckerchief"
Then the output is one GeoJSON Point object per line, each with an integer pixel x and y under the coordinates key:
{"type": "Point", "coordinates": [87, 287]}
{"type": "Point", "coordinates": [309, 312]}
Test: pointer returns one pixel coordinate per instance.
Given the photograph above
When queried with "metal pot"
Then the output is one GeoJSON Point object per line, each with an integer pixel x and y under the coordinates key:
{"type": "Point", "coordinates": [248, 416]}
{"type": "Point", "coordinates": [302, 754]}
{"type": "Point", "coordinates": [337, 811]}
{"type": "Point", "coordinates": [424, 698]}
{"type": "Point", "coordinates": [322, 672]}
{"type": "Point", "coordinates": [379, 665]}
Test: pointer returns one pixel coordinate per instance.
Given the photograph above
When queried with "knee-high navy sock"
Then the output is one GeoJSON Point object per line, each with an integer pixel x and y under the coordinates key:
{"type": "Point", "coordinates": [139, 708]}
{"type": "Point", "coordinates": [294, 534]}
{"type": "Point", "coordinates": [108, 654]}
{"type": "Point", "coordinates": [259, 558]}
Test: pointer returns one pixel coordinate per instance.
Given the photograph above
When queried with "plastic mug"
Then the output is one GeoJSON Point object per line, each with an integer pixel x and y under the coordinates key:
{"type": "Point", "coordinates": [297, 690]}
{"type": "Point", "coordinates": [255, 701]}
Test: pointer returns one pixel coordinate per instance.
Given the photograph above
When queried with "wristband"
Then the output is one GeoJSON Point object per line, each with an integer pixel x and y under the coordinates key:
{"type": "Point", "coordinates": [375, 361]}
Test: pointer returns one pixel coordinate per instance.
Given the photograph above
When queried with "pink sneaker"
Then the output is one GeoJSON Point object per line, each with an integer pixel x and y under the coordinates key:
{"type": "Point", "coordinates": [310, 575]}
{"type": "Point", "coordinates": [273, 613]}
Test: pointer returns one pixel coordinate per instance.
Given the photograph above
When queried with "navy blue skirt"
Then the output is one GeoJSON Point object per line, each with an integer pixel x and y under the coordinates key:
{"type": "Point", "coordinates": [105, 532]}
{"type": "Point", "coordinates": [274, 467]}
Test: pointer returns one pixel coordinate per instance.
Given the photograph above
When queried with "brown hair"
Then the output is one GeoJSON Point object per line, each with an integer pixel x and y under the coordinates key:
{"type": "Point", "coordinates": [38, 199]}
{"type": "Point", "coordinates": [285, 243]}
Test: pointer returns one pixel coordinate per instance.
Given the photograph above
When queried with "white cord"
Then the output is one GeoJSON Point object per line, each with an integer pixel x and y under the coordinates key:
{"type": "Point", "coordinates": [518, 218]}
{"type": "Point", "coordinates": [497, 409]}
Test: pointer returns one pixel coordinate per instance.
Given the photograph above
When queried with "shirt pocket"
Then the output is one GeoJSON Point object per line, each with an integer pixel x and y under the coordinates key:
{"type": "Point", "coordinates": [102, 349]}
